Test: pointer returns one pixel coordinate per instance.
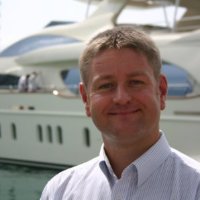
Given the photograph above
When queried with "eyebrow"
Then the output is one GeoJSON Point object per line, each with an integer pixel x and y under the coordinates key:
{"type": "Point", "coordinates": [110, 77]}
{"type": "Point", "coordinates": [103, 77]}
{"type": "Point", "coordinates": [138, 73]}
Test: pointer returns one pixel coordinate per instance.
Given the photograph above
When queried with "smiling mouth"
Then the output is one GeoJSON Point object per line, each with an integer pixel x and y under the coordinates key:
{"type": "Point", "coordinates": [124, 112]}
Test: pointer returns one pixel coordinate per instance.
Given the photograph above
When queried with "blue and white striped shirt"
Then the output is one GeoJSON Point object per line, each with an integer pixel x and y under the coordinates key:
{"type": "Point", "coordinates": [161, 173]}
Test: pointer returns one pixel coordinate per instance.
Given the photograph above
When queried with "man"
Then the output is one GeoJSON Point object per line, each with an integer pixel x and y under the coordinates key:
{"type": "Point", "coordinates": [23, 83]}
{"type": "Point", "coordinates": [124, 92]}
{"type": "Point", "coordinates": [33, 84]}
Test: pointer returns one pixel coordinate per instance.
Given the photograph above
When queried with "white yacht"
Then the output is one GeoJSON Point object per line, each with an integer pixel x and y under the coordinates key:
{"type": "Point", "coordinates": [49, 126]}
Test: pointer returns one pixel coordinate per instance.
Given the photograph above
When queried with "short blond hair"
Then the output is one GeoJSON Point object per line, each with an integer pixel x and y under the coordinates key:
{"type": "Point", "coordinates": [118, 38]}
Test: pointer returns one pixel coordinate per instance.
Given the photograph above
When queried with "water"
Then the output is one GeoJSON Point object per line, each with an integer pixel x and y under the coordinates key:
{"type": "Point", "coordinates": [23, 183]}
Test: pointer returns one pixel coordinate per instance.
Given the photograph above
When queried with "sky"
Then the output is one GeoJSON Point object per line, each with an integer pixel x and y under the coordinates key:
{"type": "Point", "coordinates": [20, 18]}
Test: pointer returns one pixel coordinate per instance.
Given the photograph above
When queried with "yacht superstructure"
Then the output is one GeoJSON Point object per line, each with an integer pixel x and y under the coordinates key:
{"type": "Point", "coordinates": [49, 126]}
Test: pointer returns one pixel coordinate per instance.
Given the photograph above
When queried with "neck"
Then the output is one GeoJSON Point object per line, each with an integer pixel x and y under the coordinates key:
{"type": "Point", "coordinates": [122, 155]}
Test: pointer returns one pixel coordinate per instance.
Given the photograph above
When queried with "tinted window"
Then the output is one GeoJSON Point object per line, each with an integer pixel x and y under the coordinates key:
{"type": "Point", "coordinates": [71, 78]}
{"type": "Point", "coordinates": [7, 80]}
{"type": "Point", "coordinates": [35, 42]}
{"type": "Point", "coordinates": [179, 81]}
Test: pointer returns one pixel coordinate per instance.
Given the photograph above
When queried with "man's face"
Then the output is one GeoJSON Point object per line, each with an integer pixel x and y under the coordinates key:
{"type": "Point", "coordinates": [123, 98]}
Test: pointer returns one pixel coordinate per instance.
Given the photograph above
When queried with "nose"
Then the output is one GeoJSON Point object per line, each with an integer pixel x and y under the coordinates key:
{"type": "Point", "coordinates": [121, 95]}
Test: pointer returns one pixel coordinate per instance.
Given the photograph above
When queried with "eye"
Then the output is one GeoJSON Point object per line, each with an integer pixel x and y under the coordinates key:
{"type": "Point", "coordinates": [105, 86]}
{"type": "Point", "coordinates": [136, 82]}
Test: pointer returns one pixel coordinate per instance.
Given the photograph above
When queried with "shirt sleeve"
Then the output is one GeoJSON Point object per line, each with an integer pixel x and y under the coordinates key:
{"type": "Point", "coordinates": [198, 193]}
{"type": "Point", "coordinates": [45, 194]}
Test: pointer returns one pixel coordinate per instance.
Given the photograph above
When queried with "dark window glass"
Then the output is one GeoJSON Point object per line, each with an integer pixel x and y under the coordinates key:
{"type": "Point", "coordinates": [13, 131]}
{"type": "Point", "coordinates": [59, 135]}
{"type": "Point", "coordinates": [71, 79]}
{"type": "Point", "coordinates": [179, 81]}
{"type": "Point", "coordinates": [35, 42]}
{"type": "Point", "coordinates": [40, 134]}
{"type": "Point", "coordinates": [49, 134]}
{"type": "Point", "coordinates": [0, 131]}
{"type": "Point", "coordinates": [86, 133]}
{"type": "Point", "coordinates": [8, 80]}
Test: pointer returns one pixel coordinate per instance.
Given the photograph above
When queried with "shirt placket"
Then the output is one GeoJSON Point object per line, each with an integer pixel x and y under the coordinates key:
{"type": "Point", "coordinates": [121, 187]}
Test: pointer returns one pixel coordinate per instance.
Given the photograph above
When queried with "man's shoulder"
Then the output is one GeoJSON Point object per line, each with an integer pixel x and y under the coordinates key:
{"type": "Point", "coordinates": [74, 173]}
{"type": "Point", "coordinates": [69, 179]}
{"type": "Point", "coordinates": [186, 162]}
{"type": "Point", "coordinates": [83, 167]}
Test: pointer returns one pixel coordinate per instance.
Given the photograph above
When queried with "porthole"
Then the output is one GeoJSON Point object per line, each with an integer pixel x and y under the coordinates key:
{"type": "Point", "coordinates": [49, 134]}
{"type": "Point", "coordinates": [59, 135]}
{"type": "Point", "coordinates": [0, 131]}
{"type": "Point", "coordinates": [86, 133]}
{"type": "Point", "coordinates": [13, 131]}
{"type": "Point", "coordinates": [40, 134]}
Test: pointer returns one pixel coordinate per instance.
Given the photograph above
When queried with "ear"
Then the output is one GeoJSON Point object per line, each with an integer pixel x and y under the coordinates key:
{"type": "Point", "coordinates": [163, 91]}
{"type": "Point", "coordinates": [83, 92]}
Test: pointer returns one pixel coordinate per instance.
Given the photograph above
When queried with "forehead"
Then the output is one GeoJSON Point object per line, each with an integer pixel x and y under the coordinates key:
{"type": "Point", "coordinates": [125, 59]}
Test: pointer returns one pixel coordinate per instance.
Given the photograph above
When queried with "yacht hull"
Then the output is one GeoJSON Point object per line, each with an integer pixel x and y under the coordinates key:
{"type": "Point", "coordinates": [43, 129]}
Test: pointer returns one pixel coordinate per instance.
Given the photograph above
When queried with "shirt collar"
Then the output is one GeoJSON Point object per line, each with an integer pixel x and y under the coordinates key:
{"type": "Point", "coordinates": [152, 159]}
{"type": "Point", "coordinates": [105, 165]}
{"type": "Point", "coordinates": [145, 164]}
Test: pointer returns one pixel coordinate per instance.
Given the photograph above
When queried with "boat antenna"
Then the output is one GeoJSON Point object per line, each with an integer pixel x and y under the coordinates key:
{"type": "Point", "coordinates": [177, 4]}
{"type": "Point", "coordinates": [165, 13]}
{"type": "Point", "coordinates": [88, 8]}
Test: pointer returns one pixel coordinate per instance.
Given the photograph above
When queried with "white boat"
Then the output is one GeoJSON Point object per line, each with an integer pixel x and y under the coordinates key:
{"type": "Point", "coordinates": [49, 126]}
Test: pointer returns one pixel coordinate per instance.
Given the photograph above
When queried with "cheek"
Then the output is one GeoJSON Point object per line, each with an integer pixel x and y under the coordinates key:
{"type": "Point", "coordinates": [152, 100]}
{"type": "Point", "coordinates": [91, 105]}
{"type": "Point", "coordinates": [97, 104]}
